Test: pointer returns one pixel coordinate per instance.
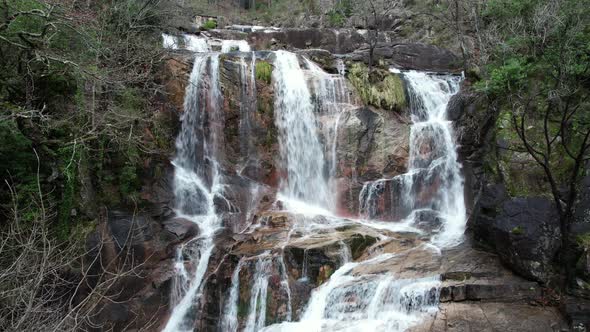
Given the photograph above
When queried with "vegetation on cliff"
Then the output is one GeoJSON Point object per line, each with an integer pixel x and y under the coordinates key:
{"type": "Point", "coordinates": [537, 70]}
{"type": "Point", "coordinates": [77, 91]}
{"type": "Point", "coordinates": [378, 88]}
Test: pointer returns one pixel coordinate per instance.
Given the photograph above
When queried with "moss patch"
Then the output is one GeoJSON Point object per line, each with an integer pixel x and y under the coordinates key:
{"type": "Point", "coordinates": [381, 88]}
{"type": "Point", "coordinates": [263, 71]}
{"type": "Point", "coordinates": [583, 240]}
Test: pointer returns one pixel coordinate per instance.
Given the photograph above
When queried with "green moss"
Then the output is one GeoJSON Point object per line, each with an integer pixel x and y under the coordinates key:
{"type": "Point", "coordinates": [243, 308]}
{"type": "Point", "coordinates": [263, 71]}
{"type": "Point", "coordinates": [517, 230]}
{"type": "Point", "coordinates": [583, 240]}
{"type": "Point", "coordinates": [380, 89]}
{"type": "Point", "coordinates": [210, 24]}
{"type": "Point", "coordinates": [69, 159]}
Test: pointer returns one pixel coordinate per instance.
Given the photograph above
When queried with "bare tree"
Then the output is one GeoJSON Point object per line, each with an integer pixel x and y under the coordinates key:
{"type": "Point", "coordinates": [375, 14]}
{"type": "Point", "coordinates": [48, 285]}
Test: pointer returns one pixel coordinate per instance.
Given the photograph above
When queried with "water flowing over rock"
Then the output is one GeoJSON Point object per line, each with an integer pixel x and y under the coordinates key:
{"type": "Point", "coordinates": [433, 181]}
{"type": "Point", "coordinates": [196, 183]}
{"type": "Point", "coordinates": [297, 208]}
{"type": "Point", "coordinates": [301, 152]}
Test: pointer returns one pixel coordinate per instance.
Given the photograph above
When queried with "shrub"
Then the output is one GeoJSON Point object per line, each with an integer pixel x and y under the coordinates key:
{"type": "Point", "coordinates": [210, 24]}
{"type": "Point", "coordinates": [263, 71]}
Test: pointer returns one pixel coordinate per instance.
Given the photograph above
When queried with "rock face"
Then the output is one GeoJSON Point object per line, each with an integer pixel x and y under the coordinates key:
{"type": "Point", "coordinates": [334, 41]}
{"type": "Point", "coordinates": [412, 56]}
{"type": "Point", "coordinates": [372, 145]}
{"type": "Point", "coordinates": [524, 232]}
{"type": "Point", "coordinates": [470, 317]}
{"type": "Point", "coordinates": [130, 259]}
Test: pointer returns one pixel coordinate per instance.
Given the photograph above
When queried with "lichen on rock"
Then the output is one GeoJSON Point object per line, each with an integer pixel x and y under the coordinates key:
{"type": "Point", "coordinates": [378, 88]}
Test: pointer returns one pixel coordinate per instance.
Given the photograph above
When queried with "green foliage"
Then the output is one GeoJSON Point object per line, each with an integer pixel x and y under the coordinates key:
{"type": "Point", "coordinates": [210, 24]}
{"type": "Point", "coordinates": [583, 240]}
{"type": "Point", "coordinates": [512, 74]}
{"type": "Point", "coordinates": [503, 9]}
{"type": "Point", "coordinates": [538, 75]}
{"type": "Point", "coordinates": [383, 90]}
{"type": "Point", "coordinates": [263, 71]}
{"type": "Point", "coordinates": [337, 16]}
{"type": "Point", "coordinates": [517, 230]}
{"type": "Point", "coordinates": [69, 159]}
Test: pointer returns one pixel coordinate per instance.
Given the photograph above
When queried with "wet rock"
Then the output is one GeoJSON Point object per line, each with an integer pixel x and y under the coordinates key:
{"type": "Point", "coordinates": [323, 58]}
{"type": "Point", "coordinates": [175, 76]}
{"type": "Point", "coordinates": [182, 228]}
{"type": "Point", "coordinates": [482, 290]}
{"type": "Point", "coordinates": [373, 145]}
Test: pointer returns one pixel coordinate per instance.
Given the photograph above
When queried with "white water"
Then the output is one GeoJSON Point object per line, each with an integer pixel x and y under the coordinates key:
{"type": "Point", "coordinates": [195, 186]}
{"type": "Point", "coordinates": [348, 302]}
{"type": "Point", "coordinates": [432, 146]}
{"type": "Point", "coordinates": [234, 45]}
{"type": "Point", "coordinates": [229, 322]}
{"type": "Point", "coordinates": [169, 41]}
{"type": "Point", "coordinates": [302, 154]}
{"type": "Point", "coordinates": [196, 44]}
{"type": "Point", "coordinates": [263, 269]}
{"type": "Point", "coordinates": [433, 168]}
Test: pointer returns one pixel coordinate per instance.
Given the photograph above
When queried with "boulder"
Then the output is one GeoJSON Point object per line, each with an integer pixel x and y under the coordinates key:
{"type": "Point", "coordinates": [523, 231]}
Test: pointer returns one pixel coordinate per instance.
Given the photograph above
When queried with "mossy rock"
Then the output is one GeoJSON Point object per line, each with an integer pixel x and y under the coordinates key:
{"type": "Point", "coordinates": [324, 274]}
{"type": "Point", "coordinates": [380, 88]}
{"type": "Point", "coordinates": [358, 243]}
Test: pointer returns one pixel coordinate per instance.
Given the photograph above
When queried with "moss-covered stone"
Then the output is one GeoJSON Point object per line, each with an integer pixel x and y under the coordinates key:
{"type": "Point", "coordinates": [380, 88]}
{"type": "Point", "coordinates": [325, 273]}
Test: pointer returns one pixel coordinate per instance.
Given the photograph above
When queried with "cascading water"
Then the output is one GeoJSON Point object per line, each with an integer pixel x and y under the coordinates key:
{"type": "Point", "coordinates": [433, 150]}
{"type": "Point", "coordinates": [169, 41]}
{"type": "Point", "coordinates": [197, 181]}
{"type": "Point", "coordinates": [301, 151]}
{"type": "Point", "coordinates": [234, 45]}
{"type": "Point", "coordinates": [196, 44]}
{"type": "Point", "coordinates": [433, 185]}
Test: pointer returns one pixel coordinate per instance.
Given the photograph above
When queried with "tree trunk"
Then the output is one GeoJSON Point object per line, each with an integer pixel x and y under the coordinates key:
{"type": "Point", "coordinates": [371, 52]}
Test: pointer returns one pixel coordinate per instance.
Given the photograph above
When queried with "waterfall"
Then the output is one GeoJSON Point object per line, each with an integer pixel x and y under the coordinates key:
{"type": "Point", "coordinates": [196, 44]}
{"type": "Point", "coordinates": [354, 301]}
{"type": "Point", "coordinates": [307, 113]}
{"type": "Point", "coordinates": [234, 45]}
{"type": "Point", "coordinates": [433, 150]}
{"type": "Point", "coordinates": [302, 154]}
{"type": "Point", "coordinates": [169, 42]}
{"type": "Point", "coordinates": [229, 322]}
{"type": "Point", "coordinates": [366, 303]}
{"type": "Point", "coordinates": [433, 183]}
{"type": "Point", "coordinates": [197, 181]}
